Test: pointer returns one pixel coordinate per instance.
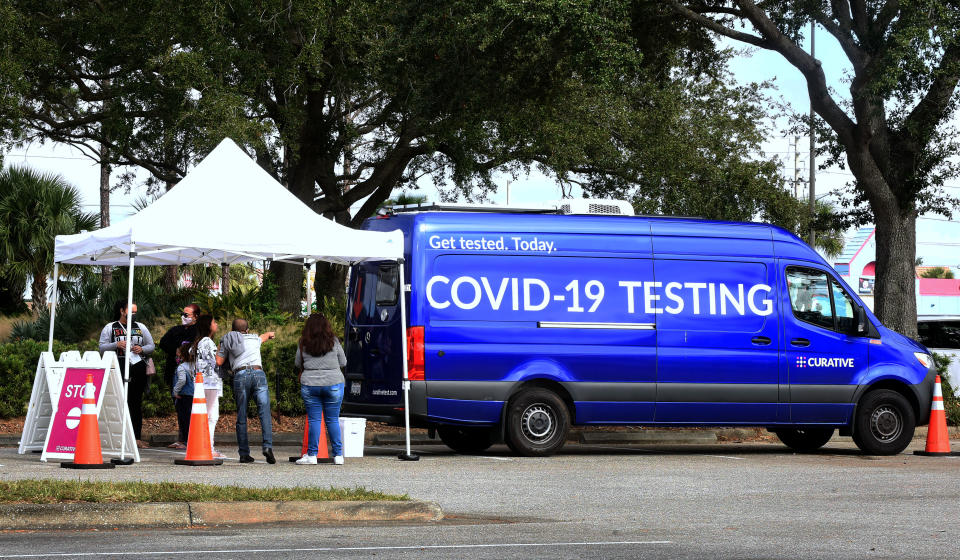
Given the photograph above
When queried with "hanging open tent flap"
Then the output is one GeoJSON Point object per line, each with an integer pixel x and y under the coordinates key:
{"type": "Point", "coordinates": [227, 210]}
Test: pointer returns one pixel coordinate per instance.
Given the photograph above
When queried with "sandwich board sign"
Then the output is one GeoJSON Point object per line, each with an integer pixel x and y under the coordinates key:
{"type": "Point", "coordinates": [55, 403]}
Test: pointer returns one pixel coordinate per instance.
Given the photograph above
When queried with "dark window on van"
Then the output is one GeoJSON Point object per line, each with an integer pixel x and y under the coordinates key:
{"type": "Point", "coordinates": [940, 334]}
{"type": "Point", "coordinates": [818, 299]}
{"type": "Point", "coordinates": [388, 285]}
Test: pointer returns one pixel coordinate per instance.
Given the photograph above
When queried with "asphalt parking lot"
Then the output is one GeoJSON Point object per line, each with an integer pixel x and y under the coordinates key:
{"type": "Point", "coordinates": [743, 500]}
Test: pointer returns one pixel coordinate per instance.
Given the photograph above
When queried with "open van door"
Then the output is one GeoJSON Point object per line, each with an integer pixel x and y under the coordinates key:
{"type": "Point", "coordinates": [374, 373]}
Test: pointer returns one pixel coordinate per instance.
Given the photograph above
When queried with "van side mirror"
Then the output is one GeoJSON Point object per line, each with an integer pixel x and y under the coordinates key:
{"type": "Point", "coordinates": [862, 328]}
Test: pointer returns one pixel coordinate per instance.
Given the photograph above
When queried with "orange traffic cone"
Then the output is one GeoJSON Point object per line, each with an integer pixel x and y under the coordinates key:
{"type": "Point", "coordinates": [938, 442]}
{"type": "Point", "coordinates": [87, 453]}
{"type": "Point", "coordinates": [323, 455]}
{"type": "Point", "coordinates": [199, 451]}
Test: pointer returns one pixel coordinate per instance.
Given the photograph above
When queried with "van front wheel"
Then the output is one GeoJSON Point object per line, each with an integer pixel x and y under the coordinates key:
{"type": "Point", "coordinates": [884, 423]}
{"type": "Point", "coordinates": [537, 423]}
{"type": "Point", "coordinates": [465, 440]}
{"type": "Point", "coordinates": [804, 439]}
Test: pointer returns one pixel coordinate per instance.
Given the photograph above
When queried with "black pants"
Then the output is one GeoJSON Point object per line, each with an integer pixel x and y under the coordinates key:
{"type": "Point", "coordinates": [135, 391]}
{"type": "Point", "coordinates": [184, 406]}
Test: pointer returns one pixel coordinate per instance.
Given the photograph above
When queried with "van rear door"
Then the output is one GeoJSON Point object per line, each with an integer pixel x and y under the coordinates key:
{"type": "Point", "coordinates": [373, 347]}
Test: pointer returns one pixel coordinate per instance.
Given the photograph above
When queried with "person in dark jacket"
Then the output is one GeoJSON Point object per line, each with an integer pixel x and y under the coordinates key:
{"type": "Point", "coordinates": [177, 336]}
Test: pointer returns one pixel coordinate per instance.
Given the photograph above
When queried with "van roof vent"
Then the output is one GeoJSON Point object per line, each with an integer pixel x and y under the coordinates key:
{"type": "Point", "coordinates": [595, 206]}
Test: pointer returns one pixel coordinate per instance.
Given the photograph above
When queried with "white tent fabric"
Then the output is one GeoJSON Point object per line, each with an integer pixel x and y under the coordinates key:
{"type": "Point", "coordinates": [227, 210]}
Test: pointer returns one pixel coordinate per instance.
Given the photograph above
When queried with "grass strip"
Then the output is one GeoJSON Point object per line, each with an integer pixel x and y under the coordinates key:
{"type": "Point", "coordinates": [75, 491]}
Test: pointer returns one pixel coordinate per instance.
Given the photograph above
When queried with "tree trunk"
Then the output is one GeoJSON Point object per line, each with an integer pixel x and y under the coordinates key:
{"type": "Point", "coordinates": [169, 278]}
{"type": "Point", "coordinates": [106, 272]}
{"type": "Point", "coordinates": [895, 301]}
{"type": "Point", "coordinates": [224, 279]}
{"type": "Point", "coordinates": [39, 291]}
{"type": "Point", "coordinates": [330, 282]}
{"type": "Point", "coordinates": [289, 286]}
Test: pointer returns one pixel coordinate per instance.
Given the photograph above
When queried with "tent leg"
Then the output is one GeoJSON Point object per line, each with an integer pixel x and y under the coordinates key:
{"type": "Point", "coordinates": [407, 455]}
{"type": "Point", "coordinates": [123, 460]}
{"type": "Point", "coordinates": [53, 304]}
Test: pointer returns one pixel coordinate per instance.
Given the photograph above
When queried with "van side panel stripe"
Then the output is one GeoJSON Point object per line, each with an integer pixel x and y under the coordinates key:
{"type": "Point", "coordinates": [649, 392]}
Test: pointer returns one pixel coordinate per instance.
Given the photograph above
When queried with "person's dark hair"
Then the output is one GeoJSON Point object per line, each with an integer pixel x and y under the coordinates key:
{"type": "Point", "coordinates": [119, 307]}
{"type": "Point", "coordinates": [183, 352]}
{"type": "Point", "coordinates": [204, 324]}
{"type": "Point", "coordinates": [194, 308]}
{"type": "Point", "coordinates": [317, 338]}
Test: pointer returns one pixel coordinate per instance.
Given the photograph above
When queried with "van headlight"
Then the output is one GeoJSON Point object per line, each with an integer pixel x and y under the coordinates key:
{"type": "Point", "coordinates": [924, 359]}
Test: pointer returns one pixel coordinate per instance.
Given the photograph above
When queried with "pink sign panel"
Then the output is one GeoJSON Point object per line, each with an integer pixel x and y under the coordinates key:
{"type": "Point", "coordinates": [63, 430]}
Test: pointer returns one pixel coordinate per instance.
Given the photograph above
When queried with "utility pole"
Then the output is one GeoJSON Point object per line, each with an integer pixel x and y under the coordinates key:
{"type": "Point", "coordinates": [813, 152]}
{"type": "Point", "coordinates": [796, 166]}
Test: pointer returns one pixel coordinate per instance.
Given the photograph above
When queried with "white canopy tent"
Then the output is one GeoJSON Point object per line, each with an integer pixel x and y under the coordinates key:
{"type": "Point", "coordinates": [264, 222]}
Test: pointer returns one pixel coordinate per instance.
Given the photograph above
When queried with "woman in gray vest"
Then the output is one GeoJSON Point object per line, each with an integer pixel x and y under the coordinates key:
{"type": "Point", "coordinates": [319, 359]}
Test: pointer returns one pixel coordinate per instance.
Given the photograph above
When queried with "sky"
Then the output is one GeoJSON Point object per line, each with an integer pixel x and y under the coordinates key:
{"type": "Point", "coordinates": [939, 242]}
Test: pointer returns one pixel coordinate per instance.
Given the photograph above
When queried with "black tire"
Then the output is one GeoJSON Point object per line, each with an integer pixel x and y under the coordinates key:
{"type": "Point", "coordinates": [464, 439]}
{"type": "Point", "coordinates": [537, 423]}
{"type": "Point", "coordinates": [883, 423]}
{"type": "Point", "coordinates": [803, 440]}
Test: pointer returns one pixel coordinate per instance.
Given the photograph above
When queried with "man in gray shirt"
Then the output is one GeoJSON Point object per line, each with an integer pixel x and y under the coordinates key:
{"type": "Point", "coordinates": [242, 348]}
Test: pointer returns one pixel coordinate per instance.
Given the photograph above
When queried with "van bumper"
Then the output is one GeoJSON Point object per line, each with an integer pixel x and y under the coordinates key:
{"type": "Point", "coordinates": [392, 413]}
{"type": "Point", "coordinates": [924, 394]}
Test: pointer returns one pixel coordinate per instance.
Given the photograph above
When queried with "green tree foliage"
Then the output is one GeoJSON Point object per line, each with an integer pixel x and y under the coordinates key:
{"type": "Point", "coordinates": [34, 209]}
{"type": "Point", "coordinates": [346, 102]}
{"type": "Point", "coordinates": [893, 131]}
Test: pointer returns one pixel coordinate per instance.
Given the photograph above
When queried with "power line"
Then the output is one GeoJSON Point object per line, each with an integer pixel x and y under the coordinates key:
{"type": "Point", "coordinates": [50, 157]}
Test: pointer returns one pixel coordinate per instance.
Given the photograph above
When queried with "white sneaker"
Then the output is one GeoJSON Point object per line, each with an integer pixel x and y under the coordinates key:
{"type": "Point", "coordinates": [307, 460]}
{"type": "Point", "coordinates": [338, 460]}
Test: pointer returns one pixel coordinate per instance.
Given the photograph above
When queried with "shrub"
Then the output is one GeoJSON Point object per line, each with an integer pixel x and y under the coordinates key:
{"type": "Point", "coordinates": [18, 368]}
{"type": "Point", "coordinates": [85, 306]}
{"type": "Point", "coordinates": [951, 402]}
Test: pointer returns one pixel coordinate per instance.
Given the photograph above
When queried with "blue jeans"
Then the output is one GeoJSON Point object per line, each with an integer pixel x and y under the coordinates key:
{"type": "Point", "coordinates": [323, 402]}
{"type": "Point", "coordinates": [247, 382]}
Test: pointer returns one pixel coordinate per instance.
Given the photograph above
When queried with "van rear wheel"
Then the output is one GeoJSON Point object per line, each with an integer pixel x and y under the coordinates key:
{"type": "Point", "coordinates": [804, 439]}
{"type": "Point", "coordinates": [466, 440]}
{"type": "Point", "coordinates": [884, 423]}
{"type": "Point", "coordinates": [537, 423]}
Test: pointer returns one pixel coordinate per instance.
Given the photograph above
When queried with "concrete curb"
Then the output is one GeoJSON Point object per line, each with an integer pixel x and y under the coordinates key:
{"type": "Point", "coordinates": [196, 514]}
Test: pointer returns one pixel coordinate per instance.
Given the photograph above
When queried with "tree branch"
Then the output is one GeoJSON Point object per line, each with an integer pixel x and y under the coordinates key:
{"type": "Point", "coordinates": [716, 26]}
{"type": "Point", "coordinates": [922, 121]}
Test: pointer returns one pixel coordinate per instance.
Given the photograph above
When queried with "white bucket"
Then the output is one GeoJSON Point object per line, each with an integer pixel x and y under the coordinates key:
{"type": "Point", "coordinates": [353, 431]}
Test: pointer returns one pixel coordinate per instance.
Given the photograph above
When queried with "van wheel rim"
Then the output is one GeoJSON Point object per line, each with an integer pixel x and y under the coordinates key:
{"type": "Point", "coordinates": [538, 422]}
{"type": "Point", "coordinates": [886, 424]}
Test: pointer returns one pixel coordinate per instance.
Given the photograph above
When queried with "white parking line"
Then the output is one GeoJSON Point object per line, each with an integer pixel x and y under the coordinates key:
{"type": "Point", "coordinates": [335, 549]}
{"type": "Point", "coordinates": [725, 457]}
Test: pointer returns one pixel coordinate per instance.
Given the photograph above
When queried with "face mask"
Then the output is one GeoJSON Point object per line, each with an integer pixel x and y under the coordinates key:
{"type": "Point", "coordinates": [186, 321]}
{"type": "Point", "coordinates": [133, 317]}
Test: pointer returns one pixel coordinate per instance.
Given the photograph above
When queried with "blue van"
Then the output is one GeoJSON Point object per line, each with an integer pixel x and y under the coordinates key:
{"type": "Point", "coordinates": [522, 325]}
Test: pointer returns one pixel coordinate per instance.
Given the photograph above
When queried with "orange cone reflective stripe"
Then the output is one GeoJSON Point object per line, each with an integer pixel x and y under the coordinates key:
{"type": "Point", "coordinates": [87, 453]}
{"type": "Point", "coordinates": [199, 452]}
{"type": "Point", "coordinates": [938, 441]}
